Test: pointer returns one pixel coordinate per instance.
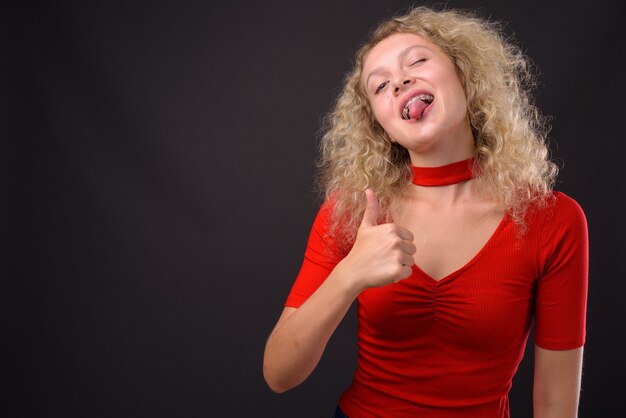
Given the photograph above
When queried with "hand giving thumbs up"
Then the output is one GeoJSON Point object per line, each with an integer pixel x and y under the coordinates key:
{"type": "Point", "coordinates": [382, 253]}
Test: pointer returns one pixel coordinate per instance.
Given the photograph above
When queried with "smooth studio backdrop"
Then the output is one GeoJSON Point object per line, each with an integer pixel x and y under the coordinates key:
{"type": "Point", "coordinates": [158, 164]}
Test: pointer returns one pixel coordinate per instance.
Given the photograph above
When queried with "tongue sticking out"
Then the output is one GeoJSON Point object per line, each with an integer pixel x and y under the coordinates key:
{"type": "Point", "coordinates": [414, 109]}
{"type": "Point", "coordinates": [417, 108]}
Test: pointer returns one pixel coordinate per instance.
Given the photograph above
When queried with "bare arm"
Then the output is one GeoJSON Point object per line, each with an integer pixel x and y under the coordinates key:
{"type": "Point", "coordinates": [298, 341]}
{"type": "Point", "coordinates": [381, 255]}
{"type": "Point", "coordinates": [557, 382]}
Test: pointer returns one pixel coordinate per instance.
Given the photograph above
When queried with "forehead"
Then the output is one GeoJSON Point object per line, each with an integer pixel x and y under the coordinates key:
{"type": "Point", "coordinates": [387, 51]}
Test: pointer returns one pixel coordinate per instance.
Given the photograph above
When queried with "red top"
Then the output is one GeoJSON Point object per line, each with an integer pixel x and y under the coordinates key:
{"type": "Point", "coordinates": [450, 348]}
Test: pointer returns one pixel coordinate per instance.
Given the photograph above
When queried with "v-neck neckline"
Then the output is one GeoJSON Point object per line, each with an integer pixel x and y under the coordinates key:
{"type": "Point", "coordinates": [437, 282]}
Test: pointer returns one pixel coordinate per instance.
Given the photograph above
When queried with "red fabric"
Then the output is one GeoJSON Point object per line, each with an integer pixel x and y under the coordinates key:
{"type": "Point", "coordinates": [443, 175]}
{"type": "Point", "coordinates": [450, 348]}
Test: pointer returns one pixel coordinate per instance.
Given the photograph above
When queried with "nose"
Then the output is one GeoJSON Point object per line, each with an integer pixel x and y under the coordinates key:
{"type": "Point", "coordinates": [401, 83]}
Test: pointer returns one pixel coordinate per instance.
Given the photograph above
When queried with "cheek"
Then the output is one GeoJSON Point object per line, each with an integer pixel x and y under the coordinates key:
{"type": "Point", "coordinates": [460, 92]}
{"type": "Point", "coordinates": [383, 119]}
{"type": "Point", "coordinates": [380, 114]}
{"type": "Point", "coordinates": [383, 109]}
{"type": "Point", "coordinates": [459, 101]}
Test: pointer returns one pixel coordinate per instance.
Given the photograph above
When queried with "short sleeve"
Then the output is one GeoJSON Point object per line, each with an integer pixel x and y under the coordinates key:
{"type": "Point", "coordinates": [320, 258]}
{"type": "Point", "coordinates": [563, 256]}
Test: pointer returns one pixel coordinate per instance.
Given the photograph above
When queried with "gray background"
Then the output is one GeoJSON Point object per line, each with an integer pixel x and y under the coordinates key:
{"type": "Point", "coordinates": [158, 174]}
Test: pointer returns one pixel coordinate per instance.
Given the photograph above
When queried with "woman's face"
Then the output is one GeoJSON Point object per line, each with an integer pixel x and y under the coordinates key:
{"type": "Point", "coordinates": [417, 96]}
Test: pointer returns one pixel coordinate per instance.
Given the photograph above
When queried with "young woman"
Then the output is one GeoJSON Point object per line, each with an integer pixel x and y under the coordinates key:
{"type": "Point", "coordinates": [440, 220]}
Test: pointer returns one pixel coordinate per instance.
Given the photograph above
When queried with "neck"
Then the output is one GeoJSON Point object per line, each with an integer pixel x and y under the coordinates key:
{"type": "Point", "coordinates": [444, 198]}
{"type": "Point", "coordinates": [455, 144]}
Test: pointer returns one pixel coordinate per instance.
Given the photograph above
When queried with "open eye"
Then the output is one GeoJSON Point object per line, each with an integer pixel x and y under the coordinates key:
{"type": "Point", "coordinates": [380, 87]}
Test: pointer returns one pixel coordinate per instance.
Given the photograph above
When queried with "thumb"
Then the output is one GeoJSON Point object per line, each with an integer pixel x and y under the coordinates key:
{"type": "Point", "coordinates": [370, 216]}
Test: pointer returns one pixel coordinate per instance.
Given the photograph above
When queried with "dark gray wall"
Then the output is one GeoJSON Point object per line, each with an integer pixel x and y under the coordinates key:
{"type": "Point", "coordinates": [158, 177]}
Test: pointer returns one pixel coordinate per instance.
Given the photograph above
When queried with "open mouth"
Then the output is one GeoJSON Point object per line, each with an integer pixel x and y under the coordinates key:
{"type": "Point", "coordinates": [414, 108]}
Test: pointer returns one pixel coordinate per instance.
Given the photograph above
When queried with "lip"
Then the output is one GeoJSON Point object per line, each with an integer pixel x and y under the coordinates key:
{"type": "Point", "coordinates": [409, 95]}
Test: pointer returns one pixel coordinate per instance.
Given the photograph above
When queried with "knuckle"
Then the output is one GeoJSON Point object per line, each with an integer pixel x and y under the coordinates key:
{"type": "Point", "coordinates": [396, 270]}
{"type": "Point", "coordinates": [407, 272]}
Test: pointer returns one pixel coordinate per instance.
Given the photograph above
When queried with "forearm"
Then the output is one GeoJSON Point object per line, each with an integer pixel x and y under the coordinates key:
{"type": "Point", "coordinates": [557, 383]}
{"type": "Point", "coordinates": [296, 345]}
{"type": "Point", "coordinates": [564, 407]}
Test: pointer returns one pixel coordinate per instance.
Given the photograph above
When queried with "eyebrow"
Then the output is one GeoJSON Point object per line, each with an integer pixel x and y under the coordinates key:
{"type": "Point", "coordinates": [381, 70]}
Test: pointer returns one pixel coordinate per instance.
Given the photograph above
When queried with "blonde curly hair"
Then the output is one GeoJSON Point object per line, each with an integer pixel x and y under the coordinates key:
{"type": "Point", "coordinates": [509, 132]}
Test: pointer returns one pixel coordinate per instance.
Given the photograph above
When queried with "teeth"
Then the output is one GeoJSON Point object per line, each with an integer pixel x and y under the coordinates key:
{"type": "Point", "coordinates": [428, 98]}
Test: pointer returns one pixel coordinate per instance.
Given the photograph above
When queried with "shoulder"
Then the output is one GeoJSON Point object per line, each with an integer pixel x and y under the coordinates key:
{"type": "Point", "coordinates": [325, 214]}
{"type": "Point", "coordinates": [326, 236]}
{"type": "Point", "coordinates": [561, 237]}
{"type": "Point", "coordinates": [567, 203]}
{"type": "Point", "coordinates": [561, 208]}
{"type": "Point", "coordinates": [560, 217]}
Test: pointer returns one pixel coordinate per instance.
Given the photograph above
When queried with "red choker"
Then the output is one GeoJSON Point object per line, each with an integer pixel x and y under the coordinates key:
{"type": "Point", "coordinates": [444, 175]}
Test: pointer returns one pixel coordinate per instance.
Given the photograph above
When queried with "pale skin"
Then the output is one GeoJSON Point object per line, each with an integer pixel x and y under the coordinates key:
{"type": "Point", "coordinates": [437, 228]}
